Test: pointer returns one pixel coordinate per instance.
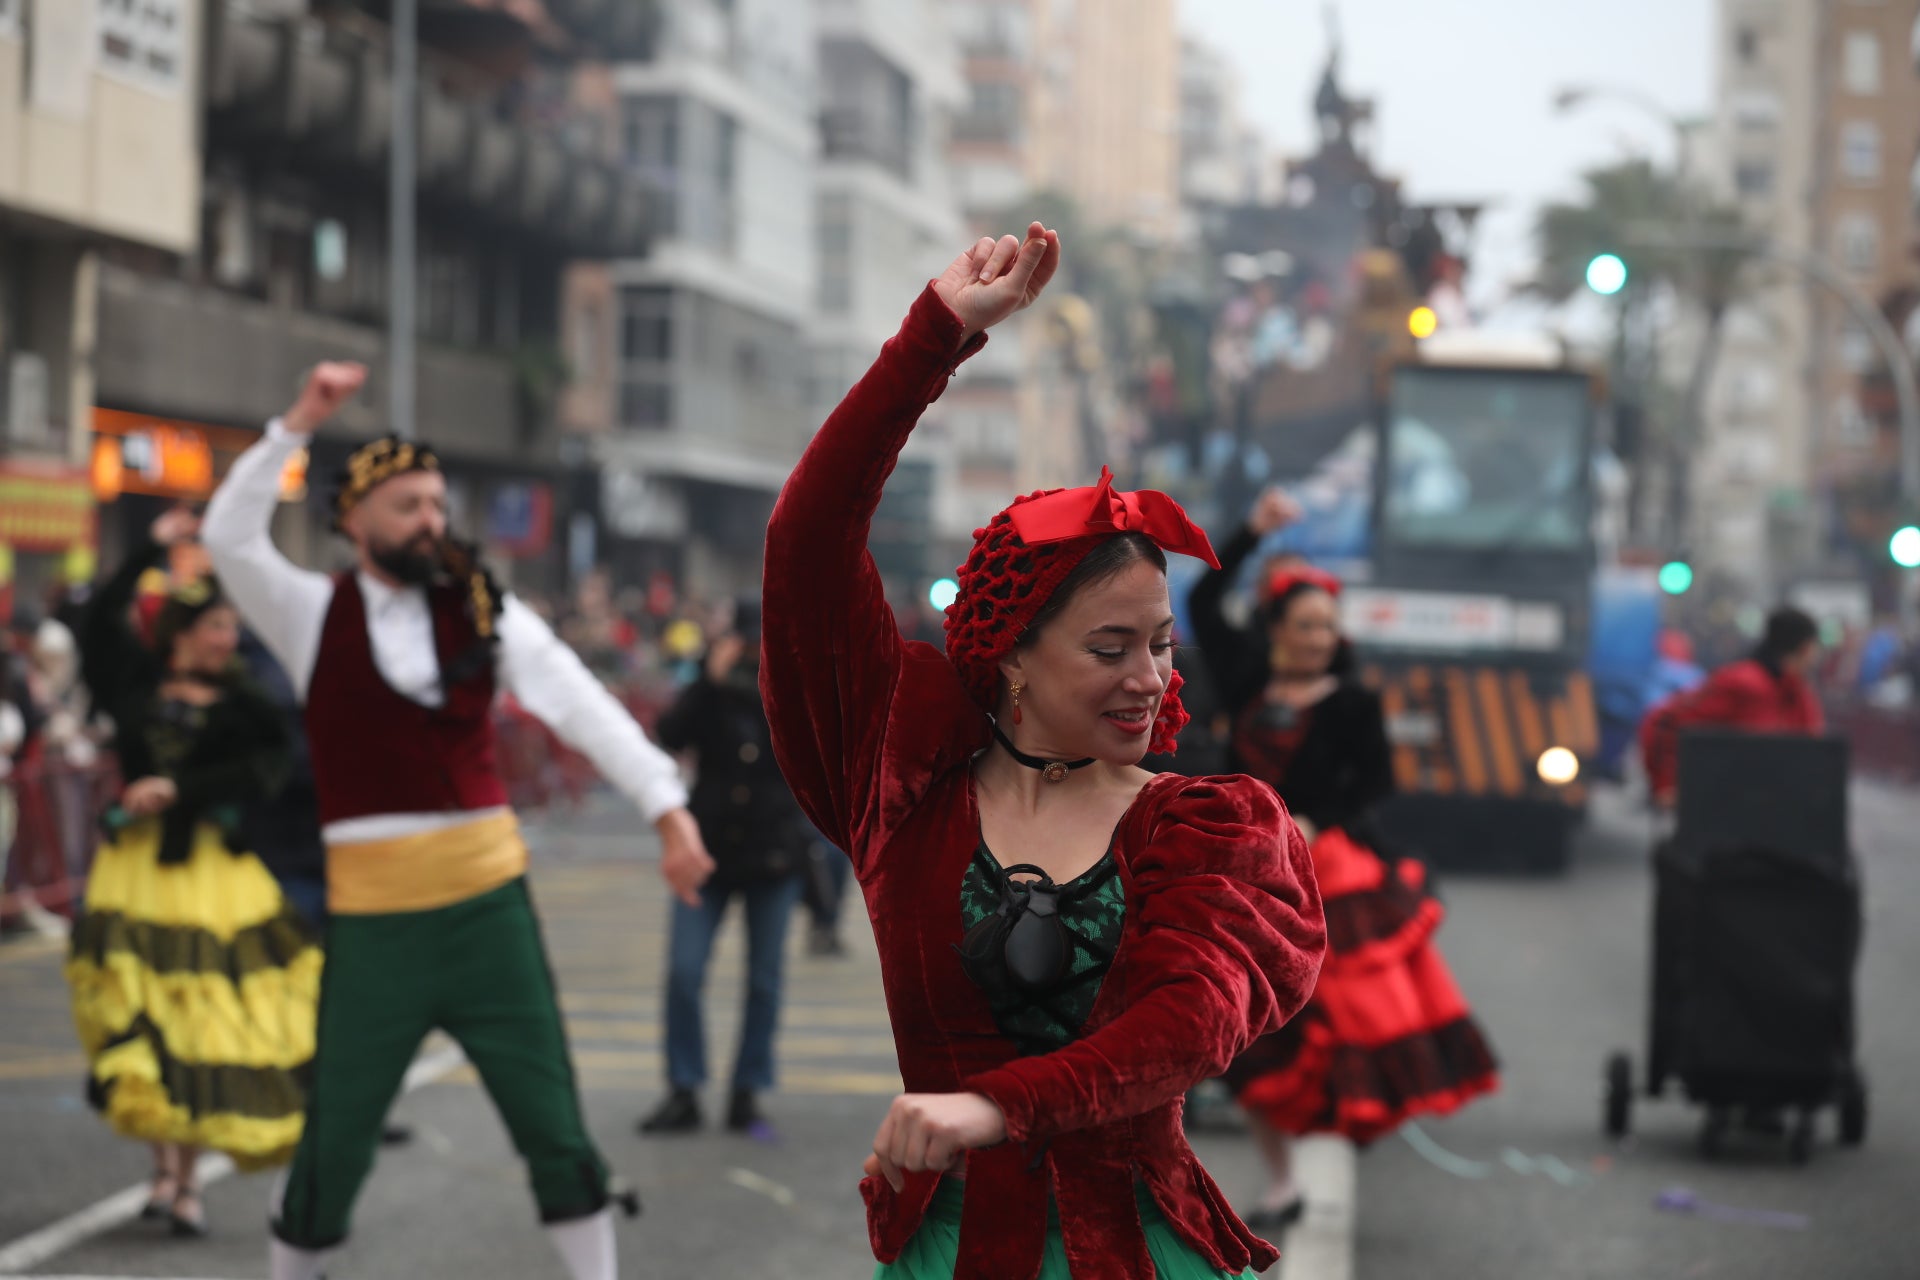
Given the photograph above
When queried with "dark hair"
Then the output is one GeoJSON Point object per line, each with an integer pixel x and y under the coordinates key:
{"type": "Point", "coordinates": [1789, 630]}
{"type": "Point", "coordinates": [1275, 611]}
{"type": "Point", "coordinates": [1102, 565]}
{"type": "Point", "coordinates": [186, 606]}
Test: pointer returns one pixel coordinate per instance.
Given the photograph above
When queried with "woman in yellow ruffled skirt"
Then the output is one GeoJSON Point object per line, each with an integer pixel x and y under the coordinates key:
{"type": "Point", "coordinates": [194, 984]}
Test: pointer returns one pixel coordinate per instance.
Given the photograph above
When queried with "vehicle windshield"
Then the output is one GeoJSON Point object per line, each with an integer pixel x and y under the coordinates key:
{"type": "Point", "coordinates": [1487, 458]}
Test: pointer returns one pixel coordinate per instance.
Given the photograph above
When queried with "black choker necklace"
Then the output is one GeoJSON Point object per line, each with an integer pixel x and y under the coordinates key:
{"type": "Point", "coordinates": [1051, 770]}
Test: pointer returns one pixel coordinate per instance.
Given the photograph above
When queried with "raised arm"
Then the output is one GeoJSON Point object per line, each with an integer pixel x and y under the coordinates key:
{"type": "Point", "coordinates": [1231, 654]}
{"type": "Point", "coordinates": [283, 603]}
{"type": "Point", "coordinates": [831, 650]}
{"type": "Point", "coordinates": [551, 682]}
{"type": "Point", "coordinates": [112, 658]}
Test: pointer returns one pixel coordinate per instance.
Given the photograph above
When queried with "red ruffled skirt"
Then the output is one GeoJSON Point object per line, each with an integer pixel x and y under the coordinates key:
{"type": "Point", "coordinates": [1387, 1035]}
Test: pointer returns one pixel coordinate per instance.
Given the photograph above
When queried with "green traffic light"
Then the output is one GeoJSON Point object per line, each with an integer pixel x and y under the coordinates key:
{"type": "Point", "coordinates": [1904, 547]}
{"type": "Point", "coordinates": [1607, 274]}
{"type": "Point", "coordinates": [1676, 576]}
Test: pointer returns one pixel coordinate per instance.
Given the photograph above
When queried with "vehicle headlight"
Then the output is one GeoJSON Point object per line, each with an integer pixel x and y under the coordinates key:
{"type": "Point", "coordinates": [1558, 766]}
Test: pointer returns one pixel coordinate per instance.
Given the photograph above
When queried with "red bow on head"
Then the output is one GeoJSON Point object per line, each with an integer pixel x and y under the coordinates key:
{"type": "Point", "coordinates": [1293, 575]}
{"type": "Point", "coordinates": [1097, 509]}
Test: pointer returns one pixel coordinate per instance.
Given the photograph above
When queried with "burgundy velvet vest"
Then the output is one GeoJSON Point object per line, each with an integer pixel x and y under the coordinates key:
{"type": "Point", "coordinates": [376, 751]}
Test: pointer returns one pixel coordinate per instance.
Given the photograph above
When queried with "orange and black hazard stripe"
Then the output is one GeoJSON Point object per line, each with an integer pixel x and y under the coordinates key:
{"type": "Point", "coordinates": [1480, 729]}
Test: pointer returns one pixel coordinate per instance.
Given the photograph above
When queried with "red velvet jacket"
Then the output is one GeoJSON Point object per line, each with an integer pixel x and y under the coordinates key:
{"type": "Point", "coordinates": [1740, 695]}
{"type": "Point", "coordinates": [1223, 936]}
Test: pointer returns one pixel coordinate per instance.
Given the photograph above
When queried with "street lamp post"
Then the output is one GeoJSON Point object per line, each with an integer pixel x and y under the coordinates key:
{"type": "Point", "coordinates": [1861, 307]}
{"type": "Point", "coordinates": [402, 166]}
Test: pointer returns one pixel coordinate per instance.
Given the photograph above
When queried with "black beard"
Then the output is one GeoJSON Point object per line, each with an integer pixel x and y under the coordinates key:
{"type": "Point", "coordinates": [407, 564]}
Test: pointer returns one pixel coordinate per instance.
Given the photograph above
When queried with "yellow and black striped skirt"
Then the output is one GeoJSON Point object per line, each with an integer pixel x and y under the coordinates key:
{"type": "Point", "coordinates": [195, 991]}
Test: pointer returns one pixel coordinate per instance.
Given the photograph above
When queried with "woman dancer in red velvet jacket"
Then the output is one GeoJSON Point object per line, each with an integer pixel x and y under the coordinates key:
{"type": "Point", "coordinates": [1068, 943]}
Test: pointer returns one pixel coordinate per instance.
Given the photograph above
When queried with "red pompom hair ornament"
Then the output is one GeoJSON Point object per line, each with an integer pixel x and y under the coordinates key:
{"type": "Point", "coordinates": [1023, 555]}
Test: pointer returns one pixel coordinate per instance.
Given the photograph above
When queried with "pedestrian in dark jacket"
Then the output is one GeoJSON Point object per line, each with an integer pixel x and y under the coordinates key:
{"type": "Point", "coordinates": [753, 828]}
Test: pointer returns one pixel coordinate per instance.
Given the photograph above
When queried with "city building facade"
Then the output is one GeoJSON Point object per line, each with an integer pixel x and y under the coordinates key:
{"type": "Point", "coordinates": [1818, 146]}
{"type": "Point", "coordinates": [99, 150]}
{"type": "Point", "coordinates": [284, 262]}
{"type": "Point", "coordinates": [694, 403]}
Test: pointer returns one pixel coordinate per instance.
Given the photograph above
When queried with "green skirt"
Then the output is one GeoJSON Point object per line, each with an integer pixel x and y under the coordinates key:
{"type": "Point", "coordinates": [935, 1248]}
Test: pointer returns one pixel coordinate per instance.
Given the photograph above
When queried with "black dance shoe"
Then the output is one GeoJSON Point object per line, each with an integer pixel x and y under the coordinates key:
{"type": "Point", "coordinates": [188, 1216]}
{"type": "Point", "coordinates": [1280, 1219]}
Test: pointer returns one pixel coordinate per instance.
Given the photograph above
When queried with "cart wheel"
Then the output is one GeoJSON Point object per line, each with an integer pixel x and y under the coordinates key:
{"type": "Point", "coordinates": [1800, 1140]}
{"type": "Point", "coordinates": [1619, 1106]}
{"type": "Point", "coordinates": [1713, 1133]}
{"type": "Point", "coordinates": [1853, 1108]}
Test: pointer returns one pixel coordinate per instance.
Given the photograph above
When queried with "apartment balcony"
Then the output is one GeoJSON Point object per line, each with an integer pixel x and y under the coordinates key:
{"type": "Point", "coordinates": [613, 29]}
{"type": "Point", "coordinates": [212, 356]}
{"type": "Point", "coordinates": [851, 134]}
{"type": "Point", "coordinates": [323, 93]}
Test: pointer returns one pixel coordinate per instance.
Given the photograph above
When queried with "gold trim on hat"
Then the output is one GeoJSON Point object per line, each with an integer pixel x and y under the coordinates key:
{"type": "Point", "coordinates": [372, 465]}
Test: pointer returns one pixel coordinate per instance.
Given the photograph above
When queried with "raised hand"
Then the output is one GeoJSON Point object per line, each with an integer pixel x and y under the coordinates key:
{"type": "Point", "coordinates": [175, 525]}
{"type": "Point", "coordinates": [330, 385]}
{"type": "Point", "coordinates": [996, 278]}
{"type": "Point", "coordinates": [1275, 510]}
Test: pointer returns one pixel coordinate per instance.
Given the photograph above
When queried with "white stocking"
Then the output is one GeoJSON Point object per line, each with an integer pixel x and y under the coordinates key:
{"type": "Point", "coordinates": [284, 1262]}
{"type": "Point", "coordinates": [586, 1245]}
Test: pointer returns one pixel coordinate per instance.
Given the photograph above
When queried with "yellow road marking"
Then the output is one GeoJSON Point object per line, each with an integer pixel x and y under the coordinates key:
{"type": "Point", "coordinates": [27, 950]}
{"type": "Point", "coordinates": [66, 1064]}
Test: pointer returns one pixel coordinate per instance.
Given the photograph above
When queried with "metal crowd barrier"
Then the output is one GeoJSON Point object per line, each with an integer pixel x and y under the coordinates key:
{"type": "Point", "coordinates": [1885, 741]}
{"type": "Point", "coordinates": [49, 812]}
{"type": "Point", "coordinates": [49, 825]}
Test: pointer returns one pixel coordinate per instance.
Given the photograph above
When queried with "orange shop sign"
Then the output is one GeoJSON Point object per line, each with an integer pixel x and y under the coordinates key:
{"type": "Point", "coordinates": [136, 453]}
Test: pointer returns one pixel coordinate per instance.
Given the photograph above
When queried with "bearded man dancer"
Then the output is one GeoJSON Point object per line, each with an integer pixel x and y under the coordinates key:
{"type": "Point", "coordinates": [431, 925]}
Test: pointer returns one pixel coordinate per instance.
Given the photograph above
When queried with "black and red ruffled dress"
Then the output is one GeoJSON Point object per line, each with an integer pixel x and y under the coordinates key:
{"type": "Point", "coordinates": [1387, 1035]}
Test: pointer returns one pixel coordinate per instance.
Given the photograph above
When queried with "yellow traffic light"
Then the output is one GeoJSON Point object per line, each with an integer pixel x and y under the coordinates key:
{"type": "Point", "coordinates": [1422, 322]}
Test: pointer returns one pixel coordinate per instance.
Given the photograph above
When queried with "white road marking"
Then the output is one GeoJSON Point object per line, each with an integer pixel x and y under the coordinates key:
{"type": "Point", "coordinates": [748, 1180]}
{"type": "Point", "coordinates": [124, 1206]}
{"type": "Point", "coordinates": [1320, 1246]}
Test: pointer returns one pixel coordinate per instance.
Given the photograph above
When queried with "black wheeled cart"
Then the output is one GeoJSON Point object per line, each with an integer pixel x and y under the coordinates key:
{"type": "Point", "coordinates": [1756, 934]}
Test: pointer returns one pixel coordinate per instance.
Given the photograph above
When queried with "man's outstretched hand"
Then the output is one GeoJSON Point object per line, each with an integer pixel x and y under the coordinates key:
{"type": "Point", "coordinates": [329, 386]}
{"type": "Point", "coordinates": [685, 864]}
{"type": "Point", "coordinates": [996, 278]}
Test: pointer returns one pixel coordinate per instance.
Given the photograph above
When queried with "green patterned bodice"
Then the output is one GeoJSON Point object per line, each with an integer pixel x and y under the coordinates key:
{"type": "Point", "coordinates": [1093, 907]}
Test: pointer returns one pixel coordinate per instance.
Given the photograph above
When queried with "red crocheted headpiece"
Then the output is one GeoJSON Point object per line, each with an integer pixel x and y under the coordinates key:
{"type": "Point", "coordinates": [1003, 587]}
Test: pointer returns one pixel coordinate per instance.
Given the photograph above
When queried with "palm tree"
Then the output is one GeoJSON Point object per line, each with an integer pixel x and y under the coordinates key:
{"type": "Point", "coordinates": [1646, 217]}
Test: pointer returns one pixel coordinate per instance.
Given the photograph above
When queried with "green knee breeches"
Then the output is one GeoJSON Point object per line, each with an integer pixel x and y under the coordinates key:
{"type": "Point", "coordinates": [476, 970]}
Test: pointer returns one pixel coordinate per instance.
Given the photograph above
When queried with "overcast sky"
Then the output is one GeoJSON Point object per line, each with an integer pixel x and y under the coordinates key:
{"type": "Point", "coordinates": [1464, 91]}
